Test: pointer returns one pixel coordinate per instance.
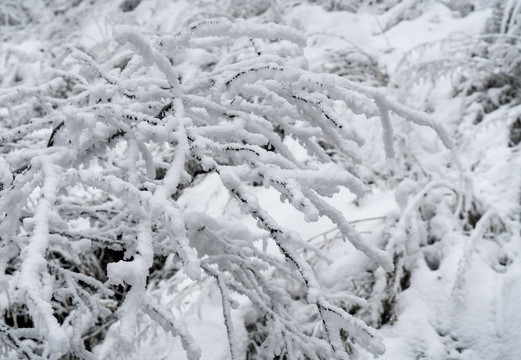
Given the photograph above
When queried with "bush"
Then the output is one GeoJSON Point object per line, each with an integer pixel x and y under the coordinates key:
{"type": "Point", "coordinates": [90, 187]}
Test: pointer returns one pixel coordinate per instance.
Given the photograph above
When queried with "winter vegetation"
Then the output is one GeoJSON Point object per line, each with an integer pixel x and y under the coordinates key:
{"type": "Point", "coordinates": [271, 179]}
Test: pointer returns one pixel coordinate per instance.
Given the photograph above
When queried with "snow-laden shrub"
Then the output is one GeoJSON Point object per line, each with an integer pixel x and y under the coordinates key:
{"type": "Point", "coordinates": [506, 18]}
{"type": "Point", "coordinates": [377, 6]}
{"type": "Point", "coordinates": [246, 9]}
{"type": "Point", "coordinates": [13, 14]}
{"type": "Point", "coordinates": [349, 61]}
{"type": "Point", "coordinates": [338, 5]}
{"type": "Point", "coordinates": [89, 189]}
{"type": "Point", "coordinates": [404, 10]}
{"type": "Point", "coordinates": [484, 68]}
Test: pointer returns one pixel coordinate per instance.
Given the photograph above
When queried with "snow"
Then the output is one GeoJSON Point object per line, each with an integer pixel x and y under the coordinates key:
{"type": "Point", "coordinates": [433, 210]}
